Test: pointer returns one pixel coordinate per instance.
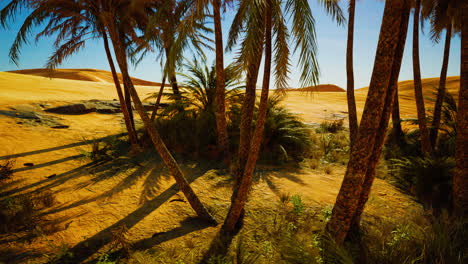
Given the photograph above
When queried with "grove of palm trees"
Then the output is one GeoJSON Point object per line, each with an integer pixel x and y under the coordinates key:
{"type": "Point", "coordinates": [219, 160]}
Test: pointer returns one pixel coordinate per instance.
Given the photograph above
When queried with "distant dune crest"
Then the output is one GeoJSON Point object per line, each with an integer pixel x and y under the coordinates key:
{"type": "Point", "coordinates": [91, 75]}
{"type": "Point", "coordinates": [321, 88]}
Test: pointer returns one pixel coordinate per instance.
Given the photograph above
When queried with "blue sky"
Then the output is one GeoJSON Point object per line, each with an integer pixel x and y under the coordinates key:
{"type": "Point", "coordinates": [331, 50]}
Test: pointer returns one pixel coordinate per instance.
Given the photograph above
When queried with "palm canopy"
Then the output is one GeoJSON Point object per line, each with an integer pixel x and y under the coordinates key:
{"type": "Point", "coordinates": [248, 25]}
{"type": "Point", "coordinates": [199, 86]}
{"type": "Point", "coordinates": [441, 14]}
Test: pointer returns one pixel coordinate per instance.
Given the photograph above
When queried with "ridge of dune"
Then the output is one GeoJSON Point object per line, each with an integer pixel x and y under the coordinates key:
{"type": "Point", "coordinates": [321, 88]}
{"type": "Point", "coordinates": [91, 75]}
{"type": "Point", "coordinates": [18, 88]}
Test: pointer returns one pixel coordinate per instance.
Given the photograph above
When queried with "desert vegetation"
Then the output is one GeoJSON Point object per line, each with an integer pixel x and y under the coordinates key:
{"type": "Point", "coordinates": [211, 169]}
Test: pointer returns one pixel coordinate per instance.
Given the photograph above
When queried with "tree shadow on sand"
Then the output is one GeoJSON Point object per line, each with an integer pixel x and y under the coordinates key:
{"type": "Point", "coordinates": [85, 249]}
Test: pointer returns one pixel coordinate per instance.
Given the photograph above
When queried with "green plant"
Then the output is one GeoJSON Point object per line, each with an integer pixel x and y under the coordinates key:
{"type": "Point", "coordinates": [286, 137]}
{"type": "Point", "coordinates": [427, 178]}
{"type": "Point", "coordinates": [6, 169]}
{"type": "Point", "coordinates": [298, 206]}
{"type": "Point", "coordinates": [327, 212]}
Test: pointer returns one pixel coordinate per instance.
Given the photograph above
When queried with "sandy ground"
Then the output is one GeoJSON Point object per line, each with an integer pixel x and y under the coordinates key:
{"type": "Point", "coordinates": [94, 199]}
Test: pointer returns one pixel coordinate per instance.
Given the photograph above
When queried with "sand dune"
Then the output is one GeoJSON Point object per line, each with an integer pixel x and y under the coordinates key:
{"type": "Point", "coordinates": [321, 88]}
{"type": "Point", "coordinates": [20, 88]}
{"type": "Point", "coordinates": [91, 75]}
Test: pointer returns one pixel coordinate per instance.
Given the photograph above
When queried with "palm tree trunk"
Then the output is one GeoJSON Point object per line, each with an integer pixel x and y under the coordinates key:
{"type": "Point", "coordinates": [460, 177]}
{"type": "Point", "coordinates": [349, 196]}
{"type": "Point", "coordinates": [220, 113]}
{"type": "Point", "coordinates": [387, 110]}
{"type": "Point", "coordinates": [172, 75]}
{"type": "Point", "coordinates": [396, 119]}
{"type": "Point", "coordinates": [158, 143]}
{"type": "Point", "coordinates": [423, 130]}
{"type": "Point", "coordinates": [248, 106]}
{"type": "Point", "coordinates": [158, 100]}
{"type": "Point", "coordinates": [131, 132]}
{"type": "Point", "coordinates": [353, 122]}
{"type": "Point", "coordinates": [441, 90]}
{"type": "Point", "coordinates": [128, 103]}
{"type": "Point", "coordinates": [239, 201]}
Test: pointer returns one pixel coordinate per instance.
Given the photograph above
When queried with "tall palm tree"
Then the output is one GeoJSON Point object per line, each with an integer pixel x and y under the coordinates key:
{"type": "Point", "coordinates": [121, 21]}
{"type": "Point", "coordinates": [426, 147]}
{"type": "Point", "coordinates": [221, 124]}
{"type": "Point", "coordinates": [73, 29]}
{"type": "Point", "coordinates": [390, 99]}
{"type": "Point", "coordinates": [264, 23]}
{"type": "Point", "coordinates": [353, 122]}
{"type": "Point", "coordinates": [443, 15]}
{"type": "Point", "coordinates": [351, 190]}
{"type": "Point", "coordinates": [460, 177]}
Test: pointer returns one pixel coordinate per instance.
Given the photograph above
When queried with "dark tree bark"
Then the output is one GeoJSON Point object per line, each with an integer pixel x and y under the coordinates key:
{"type": "Point", "coordinates": [353, 122]}
{"type": "Point", "coordinates": [460, 177]}
{"type": "Point", "coordinates": [131, 132]}
{"type": "Point", "coordinates": [220, 104]}
{"type": "Point", "coordinates": [441, 91]}
{"type": "Point", "coordinates": [396, 119]}
{"type": "Point", "coordinates": [158, 100]}
{"type": "Point", "coordinates": [418, 93]}
{"type": "Point", "coordinates": [158, 143]}
{"type": "Point", "coordinates": [349, 196]}
{"type": "Point", "coordinates": [238, 203]}
{"type": "Point", "coordinates": [387, 110]}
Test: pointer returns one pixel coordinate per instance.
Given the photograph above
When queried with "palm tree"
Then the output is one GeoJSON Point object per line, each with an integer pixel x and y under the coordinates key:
{"type": "Point", "coordinates": [261, 19]}
{"type": "Point", "coordinates": [121, 22]}
{"type": "Point", "coordinates": [221, 124]}
{"type": "Point", "coordinates": [73, 29]}
{"type": "Point", "coordinates": [426, 147]}
{"type": "Point", "coordinates": [390, 99]}
{"type": "Point", "coordinates": [372, 122]}
{"type": "Point", "coordinates": [460, 177]}
{"type": "Point", "coordinates": [353, 123]}
{"type": "Point", "coordinates": [443, 15]}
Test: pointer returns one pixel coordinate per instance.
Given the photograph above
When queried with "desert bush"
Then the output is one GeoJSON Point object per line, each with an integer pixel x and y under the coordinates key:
{"type": "Point", "coordinates": [285, 137]}
{"type": "Point", "coordinates": [189, 126]}
{"type": "Point", "coordinates": [108, 149]}
{"type": "Point", "coordinates": [333, 126]}
{"type": "Point", "coordinates": [427, 178]}
{"type": "Point", "coordinates": [6, 169]}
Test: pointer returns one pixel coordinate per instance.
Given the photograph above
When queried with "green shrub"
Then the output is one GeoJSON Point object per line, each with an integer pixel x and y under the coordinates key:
{"type": "Point", "coordinates": [429, 179]}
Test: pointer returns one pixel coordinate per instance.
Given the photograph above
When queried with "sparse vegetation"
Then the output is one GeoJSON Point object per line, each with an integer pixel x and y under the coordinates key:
{"type": "Point", "coordinates": [6, 169]}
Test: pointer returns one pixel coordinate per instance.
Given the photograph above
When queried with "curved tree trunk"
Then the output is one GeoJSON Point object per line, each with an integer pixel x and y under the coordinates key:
{"type": "Point", "coordinates": [423, 130]}
{"type": "Point", "coordinates": [238, 203]}
{"type": "Point", "coordinates": [460, 177]}
{"type": "Point", "coordinates": [353, 122]}
{"type": "Point", "coordinates": [248, 106]}
{"type": "Point", "coordinates": [349, 196]}
{"type": "Point", "coordinates": [387, 110]}
{"type": "Point", "coordinates": [131, 132]}
{"type": "Point", "coordinates": [441, 91]}
{"type": "Point", "coordinates": [158, 100]}
{"type": "Point", "coordinates": [158, 143]}
{"type": "Point", "coordinates": [220, 112]}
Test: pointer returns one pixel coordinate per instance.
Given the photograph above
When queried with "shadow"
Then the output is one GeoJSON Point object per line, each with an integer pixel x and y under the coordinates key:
{"type": "Point", "coordinates": [187, 226]}
{"type": "Point", "coordinates": [14, 256]}
{"type": "Point", "coordinates": [85, 249]}
{"type": "Point", "coordinates": [6, 186]}
{"type": "Point", "coordinates": [80, 143]}
{"type": "Point", "coordinates": [50, 163]}
{"type": "Point", "coordinates": [51, 182]}
{"type": "Point", "coordinates": [219, 246]}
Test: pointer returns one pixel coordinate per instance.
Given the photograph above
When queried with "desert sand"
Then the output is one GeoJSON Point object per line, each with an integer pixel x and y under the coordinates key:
{"type": "Point", "coordinates": [93, 199]}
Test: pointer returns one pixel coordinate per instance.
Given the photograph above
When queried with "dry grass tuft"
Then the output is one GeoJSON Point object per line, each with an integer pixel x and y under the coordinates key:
{"type": "Point", "coordinates": [6, 169]}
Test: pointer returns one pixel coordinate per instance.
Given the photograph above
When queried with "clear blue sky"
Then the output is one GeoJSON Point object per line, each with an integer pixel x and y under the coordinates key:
{"type": "Point", "coordinates": [331, 53]}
